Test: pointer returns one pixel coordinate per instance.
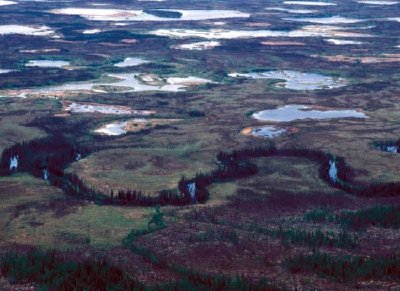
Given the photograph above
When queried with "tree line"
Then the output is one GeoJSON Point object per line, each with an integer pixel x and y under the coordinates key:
{"type": "Point", "coordinates": [53, 154]}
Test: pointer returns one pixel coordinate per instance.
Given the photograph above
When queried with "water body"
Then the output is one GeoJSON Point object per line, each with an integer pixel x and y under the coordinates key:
{"type": "Point", "coordinates": [390, 148]}
{"type": "Point", "coordinates": [47, 64]}
{"type": "Point", "coordinates": [333, 171]}
{"type": "Point", "coordinates": [289, 113]}
{"type": "Point", "coordinates": [327, 20]}
{"type": "Point", "coordinates": [14, 163]}
{"type": "Point", "coordinates": [294, 11]}
{"type": "Point", "coordinates": [2, 71]}
{"type": "Point", "coordinates": [198, 46]}
{"type": "Point", "coordinates": [112, 129]}
{"type": "Point", "coordinates": [309, 3]}
{"type": "Point", "coordinates": [343, 42]}
{"type": "Point", "coordinates": [297, 80]}
{"type": "Point", "coordinates": [306, 31]}
{"type": "Point", "coordinates": [373, 2]}
{"type": "Point", "coordinates": [27, 30]}
{"type": "Point", "coordinates": [123, 83]}
{"type": "Point", "coordinates": [6, 2]}
{"type": "Point", "coordinates": [267, 131]}
{"type": "Point", "coordinates": [104, 14]}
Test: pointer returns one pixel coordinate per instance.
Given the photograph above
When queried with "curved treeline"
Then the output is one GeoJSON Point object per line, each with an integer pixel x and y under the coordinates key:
{"type": "Point", "coordinates": [48, 157]}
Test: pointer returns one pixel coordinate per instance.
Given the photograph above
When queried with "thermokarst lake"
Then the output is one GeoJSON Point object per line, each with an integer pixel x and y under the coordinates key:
{"type": "Point", "coordinates": [293, 112]}
{"type": "Point", "coordinates": [296, 80]}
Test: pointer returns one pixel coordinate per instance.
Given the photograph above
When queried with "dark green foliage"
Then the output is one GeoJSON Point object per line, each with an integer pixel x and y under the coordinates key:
{"type": "Point", "coordinates": [319, 215]}
{"type": "Point", "coordinates": [157, 219]}
{"type": "Point", "coordinates": [193, 280]}
{"type": "Point", "coordinates": [315, 239]}
{"type": "Point", "coordinates": [49, 271]}
{"type": "Point", "coordinates": [198, 282]}
{"type": "Point", "coordinates": [196, 113]}
{"type": "Point", "coordinates": [216, 235]}
{"type": "Point", "coordinates": [346, 268]}
{"type": "Point", "coordinates": [387, 216]}
{"type": "Point", "coordinates": [381, 216]}
{"type": "Point", "coordinates": [156, 222]}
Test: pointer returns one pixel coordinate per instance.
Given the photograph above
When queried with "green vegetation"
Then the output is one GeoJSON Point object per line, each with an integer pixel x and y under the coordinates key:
{"type": "Point", "coordinates": [319, 215]}
{"type": "Point", "coordinates": [380, 216]}
{"type": "Point", "coordinates": [346, 268]}
{"type": "Point", "coordinates": [386, 216]}
{"type": "Point", "coordinates": [51, 272]}
{"type": "Point", "coordinates": [315, 239]}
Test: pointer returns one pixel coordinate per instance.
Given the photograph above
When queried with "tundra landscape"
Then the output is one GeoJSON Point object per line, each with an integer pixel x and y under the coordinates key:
{"type": "Point", "coordinates": [200, 145]}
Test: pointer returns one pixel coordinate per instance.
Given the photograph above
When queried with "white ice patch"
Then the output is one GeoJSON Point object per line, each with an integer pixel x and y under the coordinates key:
{"type": "Point", "coordinates": [397, 19]}
{"type": "Point", "coordinates": [306, 31]}
{"type": "Point", "coordinates": [342, 42]}
{"type": "Point", "coordinates": [112, 129]}
{"type": "Point", "coordinates": [131, 62]}
{"type": "Point", "coordinates": [309, 3]}
{"type": "Point", "coordinates": [103, 109]}
{"type": "Point", "coordinates": [140, 15]}
{"type": "Point", "coordinates": [294, 11]}
{"type": "Point", "coordinates": [47, 64]}
{"type": "Point", "coordinates": [198, 46]}
{"type": "Point", "coordinates": [27, 30]}
{"type": "Point", "coordinates": [119, 83]}
{"type": "Point", "coordinates": [372, 2]}
{"type": "Point", "coordinates": [327, 20]}
{"type": "Point", "coordinates": [5, 2]}
{"type": "Point", "coordinates": [91, 31]}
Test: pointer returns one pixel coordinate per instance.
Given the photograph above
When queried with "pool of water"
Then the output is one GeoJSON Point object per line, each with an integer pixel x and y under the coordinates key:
{"type": "Point", "coordinates": [296, 80]}
{"type": "Point", "coordinates": [47, 64]}
{"type": "Point", "coordinates": [289, 113]}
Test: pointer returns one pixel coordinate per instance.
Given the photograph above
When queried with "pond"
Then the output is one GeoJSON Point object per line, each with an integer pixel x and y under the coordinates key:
{"type": "Point", "coordinates": [105, 14]}
{"type": "Point", "coordinates": [113, 83]}
{"type": "Point", "coordinates": [297, 80]}
{"type": "Point", "coordinates": [131, 125]}
{"type": "Point", "coordinates": [27, 30]}
{"type": "Point", "coordinates": [333, 171]}
{"type": "Point", "coordinates": [334, 41]}
{"type": "Point", "coordinates": [267, 131]}
{"type": "Point", "coordinates": [198, 46]}
{"type": "Point", "coordinates": [75, 107]}
{"type": "Point", "coordinates": [294, 11]}
{"type": "Point", "coordinates": [390, 147]}
{"type": "Point", "coordinates": [3, 71]}
{"type": "Point", "coordinates": [309, 3]}
{"type": "Point", "coordinates": [112, 129]}
{"type": "Point", "coordinates": [289, 113]}
{"type": "Point", "coordinates": [6, 2]}
{"type": "Point", "coordinates": [327, 20]}
{"type": "Point", "coordinates": [47, 64]}
{"type": "Point", "coordinates": [373, 2]}
{"type": "Point", "coordinates": [306, 31]}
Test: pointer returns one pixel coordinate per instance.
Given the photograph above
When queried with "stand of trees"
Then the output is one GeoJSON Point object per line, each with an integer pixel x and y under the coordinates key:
{"type": "Point", "coordinates": [53, 154]}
